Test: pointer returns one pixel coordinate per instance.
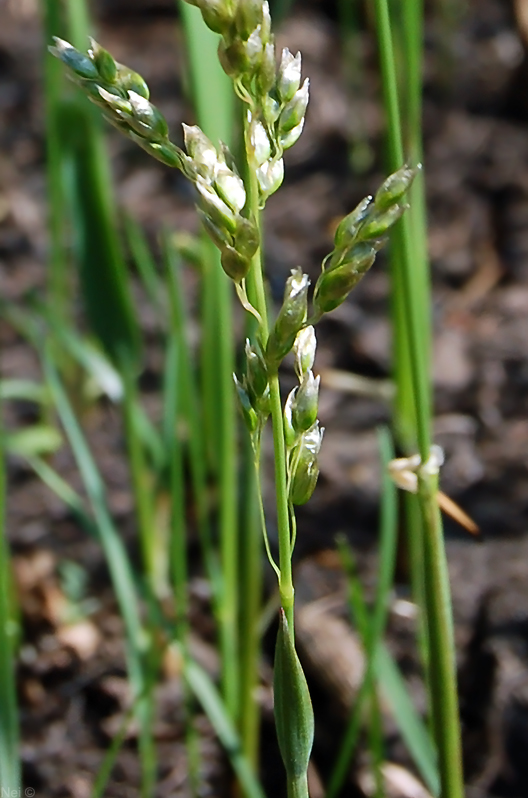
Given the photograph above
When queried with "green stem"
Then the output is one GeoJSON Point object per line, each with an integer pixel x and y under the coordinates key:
{"type": "Point", "coordinates": [191, 411]}
{"type": "Point", "coordinates": [258, 295]}
{"type": "Point", "coordinates": [298, 787]}
{"type": "Point", "coordinates": [250, 608]}
{"type": "Point", "coordinates": [371, 626]}
{"type": "Point", "coordinates": [410, 35]}
{"type": "Point", "coordinates": [442, 670]}
{"type": "Point", "coordinates": [229, 539]}
{"type": "Point", "coordinates": [78, 23]}
{"type": "Point", "coordinates": [281, 493]}
{"type": "Point", "coordinates": [255, 278]}
{"type": "Point", "coordinates": [59, 279]}
{"type": "Point", "coordinates": [403, 235]}
{"type": "Point", "coordinates": [9, 757]}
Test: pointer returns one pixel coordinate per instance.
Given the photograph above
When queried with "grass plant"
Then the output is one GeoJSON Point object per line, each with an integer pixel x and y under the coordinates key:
{"type": "Point", "coordinates": [121, 574]}
{"type": "Point", "coordinates": [198, 429]}
{"type": "Point", "coordinates": [214, 105]}
{"type": "Point", "coordinates": [412, 330]}
{"type": "Point", "coordinates": [230, 209]}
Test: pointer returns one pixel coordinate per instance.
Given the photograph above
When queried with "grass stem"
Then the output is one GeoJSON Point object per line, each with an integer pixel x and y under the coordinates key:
{"type": "Point", "coordinates": [9, 756]}
{"type": "Point", "coordinates": [441, 674]}
{"type": "Point", "coordinates": [58, 275]}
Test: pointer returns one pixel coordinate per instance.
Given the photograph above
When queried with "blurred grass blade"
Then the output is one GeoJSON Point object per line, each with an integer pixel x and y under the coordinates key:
{"type": "Point", "coordinates": [120, 570]}
{"type": "Point", "coordinates": [110, 757]}
{"type": "Point", "coordinates": [116, 555]}
{"type": "Point", "coordinates": [178, 536]}
{"type": "Point", "coordinates": [145, 264]}
{"type": "Point", "coordinates": [104, 282]}
{"type": "Point", "coordinates": [191, 405]}
{"type": "Point", "coordinates": [173, 393]}
{"type": "Point", "coordinates": [370, 625]}
{"type": "Point", "coordinates": [361, 152]}
{"type": "Point", "coordinates": [212, 94]}
{"type": "Point", "coordinates": [59, 278]}
{"type": "Point", "coordinates": [251, 588]}
{"type": "Point", "coordinates": [414, 732]}
{"type": "Point", "coordinates": [64, 491]}
{"type": "Point", "coordinates": [80, 192]}
{"type": "Point", "coordinates": [38, 439]}
{"type": "Point", "coordinates": [388, 540]}
{"type": "Point", "coordinates": [151, 535]}
{"type": "Point", "coordinates": [441, 665]}
{"type": "Point", "coordinates": [209, 698]}
{"type": "Point", "coordinates": [26, 390]}
{"type": "Point", "coordinates": [89, 355]}
{"type": "Point", "coordinates": [151, 440]}
{"type": "Point", "coordinates": [9, 754]}
{"type": "Point", "coordinates": [214, 102]}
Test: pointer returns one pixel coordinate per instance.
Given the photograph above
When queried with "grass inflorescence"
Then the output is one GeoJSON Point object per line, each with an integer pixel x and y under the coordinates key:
{"type": "Point", "coordinates": [209, 407]}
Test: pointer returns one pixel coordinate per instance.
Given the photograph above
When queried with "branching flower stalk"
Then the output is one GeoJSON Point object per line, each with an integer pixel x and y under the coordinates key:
{"type": "Point", "coordinates": [229, 208]}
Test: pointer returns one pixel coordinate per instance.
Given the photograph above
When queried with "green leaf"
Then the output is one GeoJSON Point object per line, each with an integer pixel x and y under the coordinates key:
{"type": "Point", "coordinates": [294, 719]}
{"type": "Point", "coordinates": [26, 390]}
{"type": "Point", "coordinates": [38, 439]}
{"type": "Point", "coordinates": [9, 734]}
{"type": "Point", "coordinates": [413, 730]}
{"type": "Point", "coordinates": [208, 696]}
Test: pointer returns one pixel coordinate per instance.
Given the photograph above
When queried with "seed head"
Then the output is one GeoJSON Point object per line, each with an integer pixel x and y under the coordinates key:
{"type": "Point", "coordinates": [257, 375]}
{"type": "Point", "coordinates": [234, 264]}
{"type": "Point", "coordinates": [333, 286]}
{"type": "Point", "coordinates": [304, 456]}
{"type": "Point", "coordinates": [259, 140]}
{"type": "Point", "coordinates": [248, 16]}
{"type": "Point", "coordinates": [304, 350]}
{"type": "Point", "coordinates": [106, 66]}
{"type": "Point", "coordinates": [292, 316]}
{"type": "Point", "coordinates": [379, 223]}
{"type": "Point", "coordinates": [270, 176]}
{"type": "Point", "coordinates": [80, 64]}
{"type": "Point", "coordinates": [289, 77]}
{"type": "Point", "coordinates": [304, 407]}
{"type": "Point", "coordinates": [294, 111]}
{"type": "Point", "coordinates": [394, 187]}
{"type": "Point", "coordinates": [248, 413]}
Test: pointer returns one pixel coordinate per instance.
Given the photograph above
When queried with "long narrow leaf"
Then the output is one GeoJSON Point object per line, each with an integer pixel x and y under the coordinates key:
{"type": "Point", "coordinates": [208, 696]}
{"type": "Point", "coordinates": [9, 755]}
{"type": "Point", "coordinates": [115, 552]}
{"type": "Point", "coordinates": [371, 625]}
{"type": "Point", "coordinates": [414, 732]}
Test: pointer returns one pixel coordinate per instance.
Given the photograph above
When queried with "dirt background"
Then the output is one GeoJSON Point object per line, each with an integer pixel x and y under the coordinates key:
{"type": "Point", "coordinates": [73, 691]}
